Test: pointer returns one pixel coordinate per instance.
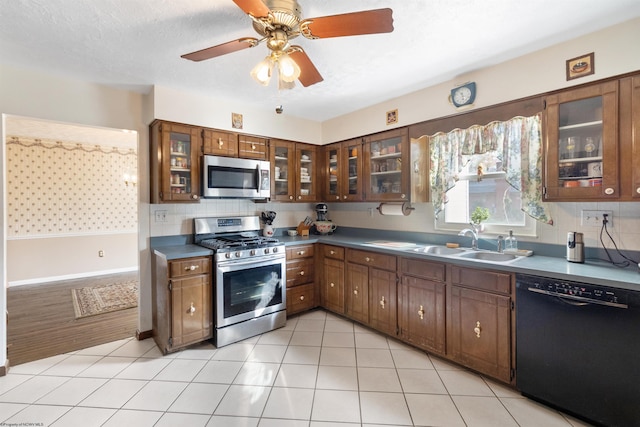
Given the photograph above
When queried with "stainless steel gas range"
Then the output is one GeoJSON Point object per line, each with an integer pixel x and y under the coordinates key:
{"type": "Point", "coordinates": [249, 280]}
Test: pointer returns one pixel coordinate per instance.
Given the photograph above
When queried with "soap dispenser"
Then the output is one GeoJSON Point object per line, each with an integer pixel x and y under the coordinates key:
{"type": "Point", "coordinates": [510, 242]}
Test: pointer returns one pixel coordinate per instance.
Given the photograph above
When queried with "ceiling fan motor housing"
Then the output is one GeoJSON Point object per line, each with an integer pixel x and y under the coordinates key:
{"type": "Point", "coordinates": [285, 15]}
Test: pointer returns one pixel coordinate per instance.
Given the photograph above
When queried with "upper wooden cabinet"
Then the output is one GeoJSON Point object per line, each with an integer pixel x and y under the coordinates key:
{"type": "Point", "coordinates": [219, 143]}
{"type": "Point", "coordinates": [175, 162]}
{"type": "Point", "coordinates": [581, 145]}
{"type": "Point", "coordinates": [343, 172]}
{"type": "Point", "coordinates": [394, 168]}
{"type": "Point", "coordinates": [294, 171]}
{"type": "Point", "coordinates": [253, 147]}
{"type": "Point", "coordinates": [630, 138]}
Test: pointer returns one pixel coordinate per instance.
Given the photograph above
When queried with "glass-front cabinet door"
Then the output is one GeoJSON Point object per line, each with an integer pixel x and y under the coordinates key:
{"type": "Point", "coordinates": [386, 166]}
{"type": "Point", "coordinates": [581, 147]}
{"type": "Point", "coordinates": [283, 164]}
{"type": "Point", "coordinates": [307, 182]}
{"type": "Point", "coordinates": [175, 163]}
{"type": "Point", "coordinates": [343, 178]}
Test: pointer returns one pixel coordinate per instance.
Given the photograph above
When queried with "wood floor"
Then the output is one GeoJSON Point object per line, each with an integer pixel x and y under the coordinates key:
{"type": "Point", "coordinates": [42, 322]}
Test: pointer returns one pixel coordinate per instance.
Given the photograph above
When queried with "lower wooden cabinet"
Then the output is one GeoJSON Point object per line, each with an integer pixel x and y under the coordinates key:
{"type": "Point", "coordinates": [357, 293]}
{"type": "Point", "coordinates": [182, 297]}
{"type": "Point", "coordinates": [383, 309]}
{"type": "Point", "coordinates": [422, 304]}
{"type": "Point", "coordinates": [332, 286]}
{"type": "Point", "coordinates": [479, 333]}
{"type": "Point", "coordinates": [301, 292]}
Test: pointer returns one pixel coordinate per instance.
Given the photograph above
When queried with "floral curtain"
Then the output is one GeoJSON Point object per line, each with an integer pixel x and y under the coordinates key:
{"type": "Point", "coordinates": [519, 141]}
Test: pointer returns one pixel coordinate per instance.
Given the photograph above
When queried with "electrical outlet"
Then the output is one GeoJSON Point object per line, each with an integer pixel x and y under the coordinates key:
{"type": "Point", "coordinates": [594, 218]}
{"type": "Point", "coordinates": [161, 216]}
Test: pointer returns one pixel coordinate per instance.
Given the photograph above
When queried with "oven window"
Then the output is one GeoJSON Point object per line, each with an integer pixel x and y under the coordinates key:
{"type": "Point", "coordinates": [225, 177]}
{"type": "Point", "coordinates": [252, 289]}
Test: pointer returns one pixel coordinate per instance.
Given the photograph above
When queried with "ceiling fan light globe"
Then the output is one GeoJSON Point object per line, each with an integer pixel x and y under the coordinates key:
{"type": "Point", "coordinates": [288, 70]}
{"type": "Point", "coordinates": [262, 72]}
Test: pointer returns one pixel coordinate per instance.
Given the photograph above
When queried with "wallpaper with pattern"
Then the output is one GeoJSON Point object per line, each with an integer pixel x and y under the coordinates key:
{"type": "Point", "coordinates": [59, 188]}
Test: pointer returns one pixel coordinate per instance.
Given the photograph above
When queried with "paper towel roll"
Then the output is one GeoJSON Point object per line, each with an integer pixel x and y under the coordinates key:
{"type": "Point", "coordinates": [395, 209]}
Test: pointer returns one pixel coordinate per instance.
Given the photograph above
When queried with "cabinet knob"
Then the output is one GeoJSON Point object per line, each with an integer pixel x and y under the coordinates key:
{"type": "Point", "coordinates": [301, 297]}
{"type": "Point", "coordinates": [332, 252]}
{"type": "Point", "coordinates": [337, 197]}
{"type": "Point", "coordinates": [344, 197]}
{"type": "Point", "coordinates": [638, 190]}
{"type": "Point", "coordinates": [299, 197]}
{"type": "Point", "coordinates": [404, 196]}
{"type": "Point", "coordinates": [421, 313]}
{"type": "Point", "coordinates": [290, 197]}
{"type": "Point", "coordinates": [477, 329]}
{"type": "Point", "coordinates": [300, 252]}
{"type": "Point", "coordinates": [191, 267]}
{"type": "Point", "coordinates": [609, 191]}
{"type": "Point", "coordinates": [383, 302]}
{"type": "Point", "coordinates": [332, 284]}
{"type": "Point", "coordinates": [194, 196]}
{"type": "Point", "coordinates": [192, 310]}
{"type": "Point", "coordinates": [355, 291]}
{"type": "Point", "coordinates": [302, 273]}
{"type": "Point", "coordinates": [220, 142]}
{"type": "Point", "coordinates": [367, 259]}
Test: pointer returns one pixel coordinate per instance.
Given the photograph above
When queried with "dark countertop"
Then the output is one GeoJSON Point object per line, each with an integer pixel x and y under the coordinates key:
{"type": "Point", "coordinates": [592, 271]}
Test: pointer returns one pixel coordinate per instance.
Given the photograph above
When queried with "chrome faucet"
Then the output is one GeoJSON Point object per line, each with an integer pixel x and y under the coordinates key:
{"type": "Point", "coordinates": [473, 233]}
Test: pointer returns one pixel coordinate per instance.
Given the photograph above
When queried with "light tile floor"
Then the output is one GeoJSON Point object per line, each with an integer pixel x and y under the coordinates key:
{"type": "Point", "coordinates": [319, 370]}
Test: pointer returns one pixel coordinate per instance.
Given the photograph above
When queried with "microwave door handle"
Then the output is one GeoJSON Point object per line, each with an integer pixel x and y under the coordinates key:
{"type": "Point", "coordinates": [258, 178]}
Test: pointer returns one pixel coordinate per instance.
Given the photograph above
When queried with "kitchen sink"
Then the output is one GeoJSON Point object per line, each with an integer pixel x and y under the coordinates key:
{"type": "Point", "coordinates": [438, 250]}
{"type": "Point", "coordinates": [489, 256]}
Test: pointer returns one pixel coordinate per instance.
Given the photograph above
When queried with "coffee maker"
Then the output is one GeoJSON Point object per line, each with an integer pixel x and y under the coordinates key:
{"type": "Point", "coordinates": [321, 212]}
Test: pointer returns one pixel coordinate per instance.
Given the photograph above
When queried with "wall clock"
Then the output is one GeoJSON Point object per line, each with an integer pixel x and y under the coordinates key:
{"type": "Point", "coordinates": [463, 95]}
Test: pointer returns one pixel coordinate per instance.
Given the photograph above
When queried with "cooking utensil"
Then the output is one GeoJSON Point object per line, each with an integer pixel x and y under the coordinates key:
{"type": "Point", "coordinates": [268, 217]}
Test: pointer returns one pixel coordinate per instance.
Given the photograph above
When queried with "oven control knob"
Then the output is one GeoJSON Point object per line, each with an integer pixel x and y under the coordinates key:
{"type": "Point", "coordinates": [253, 252]}
{"type": "Point", "coordinates": [266, 250]}
{"type": "Point", "coordinates": [227, 255]}
{"type": "Point", "coordinates": [275, 250]}
{"type": "Point", "coordinates": [238, 254]}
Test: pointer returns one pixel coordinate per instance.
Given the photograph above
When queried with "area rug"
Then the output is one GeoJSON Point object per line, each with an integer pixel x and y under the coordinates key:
{"type": "Point", "coordinates": [95, 300]}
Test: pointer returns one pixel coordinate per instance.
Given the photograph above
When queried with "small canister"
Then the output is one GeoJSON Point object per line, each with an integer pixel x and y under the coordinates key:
{"type": "Point", "coordinates": [575, 247]}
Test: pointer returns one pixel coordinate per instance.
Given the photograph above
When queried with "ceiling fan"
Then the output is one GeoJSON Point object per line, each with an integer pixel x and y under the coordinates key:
{"type": "Point", "coordinates": [279, 21]}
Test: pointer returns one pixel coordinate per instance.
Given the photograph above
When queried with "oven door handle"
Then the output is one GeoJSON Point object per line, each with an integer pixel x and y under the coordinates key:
{"type": "Point", "coordinates": [253, 262]}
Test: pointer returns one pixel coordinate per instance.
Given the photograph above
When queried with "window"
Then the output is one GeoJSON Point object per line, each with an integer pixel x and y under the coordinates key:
{"type": "Point", "coordinates": [492, 191]}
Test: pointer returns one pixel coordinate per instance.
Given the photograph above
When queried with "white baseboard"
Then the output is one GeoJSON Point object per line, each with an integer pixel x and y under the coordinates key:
{"type": "Point", "coordinates": [71, 276]}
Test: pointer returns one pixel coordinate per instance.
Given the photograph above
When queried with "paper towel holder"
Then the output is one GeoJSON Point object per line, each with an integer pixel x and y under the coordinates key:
{"type": "Point", "coordinates": [406, 207]}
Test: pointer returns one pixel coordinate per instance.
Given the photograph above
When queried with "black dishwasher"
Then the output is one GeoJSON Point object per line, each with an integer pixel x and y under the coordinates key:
{"type": "Point", "coordinates": [578, 348]}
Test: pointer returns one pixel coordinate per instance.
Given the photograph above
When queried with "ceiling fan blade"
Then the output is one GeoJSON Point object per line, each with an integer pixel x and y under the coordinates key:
{"type": "Point", "coordinates": [221, 49]}
{"type": "Point", "coordinates": [255, 8]}
{"type": "Point", "coordinates": [348, 24]}
{"type": "Point", "coordinates": [309, 74]}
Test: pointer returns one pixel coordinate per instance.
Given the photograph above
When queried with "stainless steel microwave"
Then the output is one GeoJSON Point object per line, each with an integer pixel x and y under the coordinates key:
{"type": "Point", "coordinates": [229, 177]}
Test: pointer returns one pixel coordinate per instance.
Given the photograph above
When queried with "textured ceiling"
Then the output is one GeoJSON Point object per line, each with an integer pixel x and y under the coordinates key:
{"type": "Point", "coordinates": [134, 44]}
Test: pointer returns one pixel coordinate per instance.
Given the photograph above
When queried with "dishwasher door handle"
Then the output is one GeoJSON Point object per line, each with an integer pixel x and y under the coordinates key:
{"type": "Point", "coordinates": [576, 300]}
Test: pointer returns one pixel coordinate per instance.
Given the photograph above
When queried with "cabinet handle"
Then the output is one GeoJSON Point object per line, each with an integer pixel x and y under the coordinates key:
{"type": "Point", "coordinates": [355, 291]}
{"type": "Point", "coordinates": [477, 329]}
{"type": "Point", "coordinates": [220, 143]}
{"type": "Point", "coordinates": [404, 196]}
{"type": "Point", "coordinates": [332, 252]}
{"type": "Point", "coordinates": [638, 190]}
{"type": "Point", "coordinates": [301, 297]}
{"type": "Point", "coordinates": [337, 197]}
{"type": "Point", "coordinates": [383, 302]}
{"type": "Point", "coordinates": [421, 313]}
{"type": "Point", "coordinates": [302, 273]}
{"type": "Point", "coordinates": [192, 310]}
{"type": "Point", "coordinates": [299, 197]}
{"type": "Point", "coordinates": [332, 284]}
{"type": "Point", "coordinates": [290, 197]}
{"type": "Point", "coordinates": [300, 252]}
{"type": "Point", "coordinates": [609, 191]}
{"type": "Point", "coordinates": [344, 197]}
{"type": "Point", "coordinates": [191, 267]}
{"type": "Point", "coordinates": [194, 196]}
{"type": "Point", "coordinates": [253, 147]}
{"type": "Point", "coordinates": [367, 259]}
